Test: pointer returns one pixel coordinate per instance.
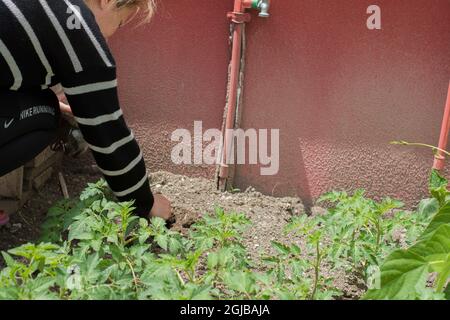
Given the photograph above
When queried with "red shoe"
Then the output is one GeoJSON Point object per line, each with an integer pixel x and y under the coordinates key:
{"type": "Point", "coordinates": [4, 218]}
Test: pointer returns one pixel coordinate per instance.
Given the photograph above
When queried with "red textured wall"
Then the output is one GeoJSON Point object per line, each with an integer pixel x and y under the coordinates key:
{"type": "Point", "coordinates": [337, 91]}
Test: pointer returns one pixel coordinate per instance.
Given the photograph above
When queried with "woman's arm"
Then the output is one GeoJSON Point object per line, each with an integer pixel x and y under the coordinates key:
{"type": "Point", "coordinates": [86, 69]}
{"type": "Point", "coordinates": [161, 206]}
{"type": "Point", "coordinates": [63, 106]}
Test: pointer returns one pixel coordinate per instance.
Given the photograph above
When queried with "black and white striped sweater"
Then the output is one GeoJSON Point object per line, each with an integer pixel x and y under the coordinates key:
{"type": "Point", "coordinates": [45, 42]}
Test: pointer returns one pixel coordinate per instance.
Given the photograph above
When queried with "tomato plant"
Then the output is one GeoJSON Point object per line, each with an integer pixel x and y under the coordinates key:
{"type": "Point", "coordinates": [421, 271]}
{"type": "Point", "coordinates": [95, 248]}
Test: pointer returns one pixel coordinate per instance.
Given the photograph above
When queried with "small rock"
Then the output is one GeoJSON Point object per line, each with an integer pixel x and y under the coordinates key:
{"type": "Point", "coordinates": [399, 236]}
{"type": "Point", "coordinates": [296, 209]}
{"type": "Point", "coordinates": [15, 227]}
{"type": "Point", "coordinates": [250, 189]}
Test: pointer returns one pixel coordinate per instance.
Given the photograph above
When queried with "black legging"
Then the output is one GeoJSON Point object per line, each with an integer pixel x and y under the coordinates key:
{"type": "Point", "coordinates": [29, 123]}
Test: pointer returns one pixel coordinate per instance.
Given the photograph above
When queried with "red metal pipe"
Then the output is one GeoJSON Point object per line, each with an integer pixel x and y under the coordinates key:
{"type": "Point", "coordinates": [439, 158]}
{"type": "Point", "coordinates": [238, 17]}
{"type": "Point", "coordinates": [246, 4]}
{"type": "Point", "coordinates": [239, 10]}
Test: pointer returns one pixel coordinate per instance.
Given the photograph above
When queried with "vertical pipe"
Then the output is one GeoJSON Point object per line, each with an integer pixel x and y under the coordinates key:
{"type": "Point", "coordinates": [443, 139]}
{"type": "Point", "coordinates": [234, 78]}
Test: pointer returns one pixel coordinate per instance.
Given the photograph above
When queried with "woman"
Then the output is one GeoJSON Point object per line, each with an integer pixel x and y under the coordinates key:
{"type": "Point", "coordinates": [46, 42]}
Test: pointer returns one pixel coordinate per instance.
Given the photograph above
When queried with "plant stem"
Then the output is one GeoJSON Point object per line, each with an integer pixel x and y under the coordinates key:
{"type": "Point", "coordinates": [179, 277]}
{"type": "Point", "coordinates": [130, 240]}
{"type": "Point", "coordinates": [135, 279]}
{"type": "Point", "coordinates": [316, 271]}
{"type": "Point", "coordinates": [405, 143]}
{"type": "Point", "coordinates": [377, 247]}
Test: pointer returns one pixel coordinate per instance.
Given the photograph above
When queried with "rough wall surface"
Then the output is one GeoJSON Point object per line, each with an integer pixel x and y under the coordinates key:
{"type": "Point", "coordinates": [173, 72]}
{"type": "Point", "coordinates": [337, 91]}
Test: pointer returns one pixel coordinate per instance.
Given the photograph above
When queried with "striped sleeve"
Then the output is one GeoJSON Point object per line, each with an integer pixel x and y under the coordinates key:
{"type": "Point", "coordinates": [86, 69]}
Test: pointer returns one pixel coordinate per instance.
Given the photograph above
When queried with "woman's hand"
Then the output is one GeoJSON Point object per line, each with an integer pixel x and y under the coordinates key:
{"type": "Point", "coordinates": [65, 108]}
{"type": "Point", "coordinates": [63, 105]}
{"type": "Point", "coordinates": [161, 207]}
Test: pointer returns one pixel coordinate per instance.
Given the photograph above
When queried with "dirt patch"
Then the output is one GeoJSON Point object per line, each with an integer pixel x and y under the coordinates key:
{"type": "Point", "coordinates": [190, 197]}
{"type": "Point", "coordinates": [25, 225]}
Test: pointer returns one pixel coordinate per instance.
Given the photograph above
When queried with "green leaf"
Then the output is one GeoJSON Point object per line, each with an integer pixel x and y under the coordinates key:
{"type": "Point", "coordinates": [89, 267]}
{"type": "Point", "coordinates": [42, 284]}
{"type": "Point", "coordinates": [437, 181]}
{"type": "Point", "coordinates": [438, 243]}
{"type": "Point", "coordinates": [428, 207]}
{"type": "Point", "coordinates": [284, 294]}
{"type": "Point", "coordinates": [447, 292]}
{"type": "Point", "coordinates": [403, 276]}
{"type": "Point", "coordinates": [158, 224]}
{"type": "Point", "coordinates": [444, 274]}
{"type": "Point", "coordinates": [281, 248]}
{"type": "Point", "coordinates": [213, 260]}
{"type": "Point", "coordinates": [332, 196]}
{"type": "Point", "coordinates": [143, 223]}
{"type": "Point", "coordinates": [241, 281]}
{"type": "Point", "coordinates": [162, 241]}
{"type": "Point", "coordinates": [436, 250]}
{"type": "Point", "coordinates": [441, 218]}
{"type": "Point", "coordinates": [196, 292]}
{"type": "Point", "coordinates": [404, 273]}
{"type": "Point", "coordinates": [143, 237]}
{"type": "Point", "coordinates": [174, 245]}
{"type": "Point", "coordinates": [80, 230]}
{"type": "Point", "coordinates": [295, 249]}
{"type": "Point", "coordinates": [116, 253]}
{"type": "Point", "coordinates": [8, 259]}
{"type": "Point", "coordinates": [438, 186]}
{"type": "Point", "coordinates": [94, 190]}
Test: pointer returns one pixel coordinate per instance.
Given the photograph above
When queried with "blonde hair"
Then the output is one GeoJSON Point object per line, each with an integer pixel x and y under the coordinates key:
{"type": "Point", "coordinates": [145, 8]}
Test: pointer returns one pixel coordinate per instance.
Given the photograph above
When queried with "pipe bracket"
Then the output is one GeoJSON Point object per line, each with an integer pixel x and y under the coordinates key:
{"type": "Point", "coordinates": [239, 17]}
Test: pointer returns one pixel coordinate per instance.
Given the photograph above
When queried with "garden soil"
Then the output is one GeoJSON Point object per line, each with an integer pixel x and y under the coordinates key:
{"type": "Point", "coordinates": [190, 197]}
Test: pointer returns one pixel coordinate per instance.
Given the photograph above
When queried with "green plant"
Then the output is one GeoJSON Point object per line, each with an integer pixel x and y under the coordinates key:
{"type": "Point", "coordinates": [95, 248]}
{"type": "Point", "coordinates": [357, 233]}
{"type": "Point", "coordinates": [101, 251]}
{"type": "Point", "coordinates": [312, 261]}
{"type": "Point", "coordinates": [421, 271]}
